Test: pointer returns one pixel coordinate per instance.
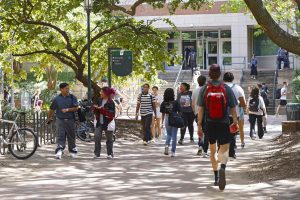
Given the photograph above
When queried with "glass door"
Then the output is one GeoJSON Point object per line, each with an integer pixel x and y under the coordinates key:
{"type": "Point", "coordinates": [212, 52]}
{"type": "Point", "coordinates": [201, 54]}
{"type": "Point", "coordinates": [226, 58]}
{"type": "Point", "coordinates": [187, 47]}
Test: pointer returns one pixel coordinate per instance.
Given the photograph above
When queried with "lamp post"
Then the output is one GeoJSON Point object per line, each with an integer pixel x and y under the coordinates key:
{"type": "Point", "coordinates": [88, 5]}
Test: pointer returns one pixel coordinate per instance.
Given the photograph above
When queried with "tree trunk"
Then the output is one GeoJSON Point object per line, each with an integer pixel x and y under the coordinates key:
{"type": "Point", "coordinates": [84, 80]}
{"type": "Point", "coordinates": [279, 36]}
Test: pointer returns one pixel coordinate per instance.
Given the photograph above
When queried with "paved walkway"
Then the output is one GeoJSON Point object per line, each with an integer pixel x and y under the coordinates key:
{"type": "Point", "coordinates": [138, 173]}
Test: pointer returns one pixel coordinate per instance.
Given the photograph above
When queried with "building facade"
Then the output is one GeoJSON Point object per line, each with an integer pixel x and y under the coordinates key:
{"type": "Point", "coordinates": [227, 39]}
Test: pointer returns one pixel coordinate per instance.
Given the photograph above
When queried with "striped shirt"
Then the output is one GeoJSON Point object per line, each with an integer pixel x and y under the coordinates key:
{"type": "Point", "coordinates": [146, 104]}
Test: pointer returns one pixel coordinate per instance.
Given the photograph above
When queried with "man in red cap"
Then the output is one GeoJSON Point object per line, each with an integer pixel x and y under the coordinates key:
{"type": "Point", "coordinates": [215, 98]}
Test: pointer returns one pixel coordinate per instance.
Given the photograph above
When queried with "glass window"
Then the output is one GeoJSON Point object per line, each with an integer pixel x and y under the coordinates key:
{"type": "Point", "coordinates": [174, 35]}
{"type": "Point", "coordinates": [213, 47]}
{"type": "Point", "coordinates": [172, 48]}
{"type": "Point", "coordinates": [226, 34]}
{"type": "Point", "coordinates": [227, 61]}
{"type": "Point", "coordinates": [263, 45]}
{"type": "Point", "coordinates": [212, 60]}
{"type": "Point", "coordinates": [199, 34]}
{"type": "Point", "coordinates": [211, 34]}
{"type": "Point", "coordinates": [227, 47]}
{"type": "Point", "coordinates": [189, 35]}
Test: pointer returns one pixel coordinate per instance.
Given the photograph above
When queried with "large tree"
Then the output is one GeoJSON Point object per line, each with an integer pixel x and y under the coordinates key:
{"type": "Point", "coordinates": [277, 19]}
{"type": "Point", "coordinates": [36, 30]}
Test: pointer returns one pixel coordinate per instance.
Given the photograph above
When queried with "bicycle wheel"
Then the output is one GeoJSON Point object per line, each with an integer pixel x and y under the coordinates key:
{"type": "Point", "coordinates": [23, 143]}
{"type": "Point", "coordinates": [129, 113]}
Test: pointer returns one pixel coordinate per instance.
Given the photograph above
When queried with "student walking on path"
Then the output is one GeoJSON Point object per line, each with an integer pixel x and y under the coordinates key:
{"type": "Point", "coordinates": [215, 99]}
{"type": "Point", "coordinates": [167, 108]}
{"type": "Point", "coordinates": [105, 111]}
{"type": "Point", "coordinates": [253, 67]}
{"type": "Point", "coordinates": [184, 98]}
{"type": "Point", "coordinates": [203, 142]}
{"type": "Point", "coordinates": [146, 106]}
{"type": "Point", "coordinates": [283, 97]}
{"type": "Point", "coordinates": [241, 99]}
{"type": "Point", "coordinates": [256, 110]}
{"type": "Point", "coordinates": [64, 105]}
{"type": "Point", "coordinates": [156, 123]}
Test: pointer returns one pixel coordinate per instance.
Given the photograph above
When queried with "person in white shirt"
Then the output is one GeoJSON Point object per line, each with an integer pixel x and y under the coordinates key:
{"type": "Point", "coordinates": [283, 99]}
{"type": "Point", "coordinates": [202, 143]}
{"type": "Point", "coordinates": [240, 97]}
{"type": "Point", "coordinates": [156, 123]}
{"type": "Point", "coordinates": [256, 109]}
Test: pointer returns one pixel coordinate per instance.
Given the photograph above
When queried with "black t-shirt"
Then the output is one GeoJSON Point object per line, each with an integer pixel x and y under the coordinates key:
{"type": "Point", "coordinates": [168, 107]}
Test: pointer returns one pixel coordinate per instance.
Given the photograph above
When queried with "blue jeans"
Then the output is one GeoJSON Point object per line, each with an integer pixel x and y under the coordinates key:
{"type": "Point", "coordinates": [171, 134]}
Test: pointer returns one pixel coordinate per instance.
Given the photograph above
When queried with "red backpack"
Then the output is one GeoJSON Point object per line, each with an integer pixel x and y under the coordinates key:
{"type": "Point", "coordinates": [216, 101]}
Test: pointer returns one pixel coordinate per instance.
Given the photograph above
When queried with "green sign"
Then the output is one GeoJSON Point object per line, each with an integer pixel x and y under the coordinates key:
{"type": "Point", "coordinates": [121, 62]}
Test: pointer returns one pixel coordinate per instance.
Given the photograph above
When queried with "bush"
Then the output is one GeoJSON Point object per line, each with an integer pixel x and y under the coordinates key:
{"type": "Point", "coordinates": [296, 87]}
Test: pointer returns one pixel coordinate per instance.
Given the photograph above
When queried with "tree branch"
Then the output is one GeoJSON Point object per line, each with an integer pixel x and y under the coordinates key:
{"type": "Point", "coordinates": [63, 33]}
{"type": "Point", "coordinates": [132, 10]}
{"type": "Point", "coordinates": [281, 37]}
{"type": "Point", "coordinates": [298, 4]}
{"type": "Point", "coordinates": [46, 51]}
{"type": "Point", "coordinates": [100, 34]}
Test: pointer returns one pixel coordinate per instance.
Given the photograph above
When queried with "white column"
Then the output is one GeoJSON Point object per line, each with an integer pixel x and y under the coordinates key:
{"type": "Point", "coordinates": [239, 42]}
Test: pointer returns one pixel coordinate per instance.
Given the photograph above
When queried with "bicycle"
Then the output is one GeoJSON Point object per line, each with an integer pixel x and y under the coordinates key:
{"type": "Point", "coordinates": [21, 142]}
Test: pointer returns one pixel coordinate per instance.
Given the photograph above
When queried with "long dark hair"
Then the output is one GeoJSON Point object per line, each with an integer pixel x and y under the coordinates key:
{"type": "Point", "coordinates": [254, 92]}
{"type": "Point", "coordinates": [169, 95]}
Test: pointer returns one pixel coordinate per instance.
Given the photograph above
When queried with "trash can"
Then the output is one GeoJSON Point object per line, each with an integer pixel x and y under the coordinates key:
{"type": "Point", "coordinates": [293, 111]}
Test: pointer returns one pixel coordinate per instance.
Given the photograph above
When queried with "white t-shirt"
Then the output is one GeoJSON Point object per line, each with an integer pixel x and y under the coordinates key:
{"type": "Point", "coordinates": [283, 93]}
{"type": "Point", "coordinates": [238, 93]}
{"type": "Point", "coordinates": [158, 99]}
{"type": "Point", "coordinates": [261, 106]}
{"type": "Point", "coordinates": [195, 97]}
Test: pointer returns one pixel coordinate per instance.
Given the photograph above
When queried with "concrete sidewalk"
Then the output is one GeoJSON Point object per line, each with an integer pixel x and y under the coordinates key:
{"type": "Point", "coordinates": [139, 172]}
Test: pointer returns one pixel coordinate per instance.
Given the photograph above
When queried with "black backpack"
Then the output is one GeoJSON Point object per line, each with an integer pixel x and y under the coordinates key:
{"type": "Point", "coordinates": [254, 104]}
{"type": "Point", "coordinates": [278, 93]}
{"type": "Point", "coordinates": [265, 98]}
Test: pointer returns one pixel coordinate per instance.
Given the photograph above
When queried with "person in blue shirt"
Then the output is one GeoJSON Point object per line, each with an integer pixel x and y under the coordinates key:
{"type": "Point", "coordinates": [64, 105]}
{"type": "Point", "coordinates": [253, 63]}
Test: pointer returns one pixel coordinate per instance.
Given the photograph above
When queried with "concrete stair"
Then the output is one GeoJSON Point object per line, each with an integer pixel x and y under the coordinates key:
{"type": "Point", "coordinates": [264, 76]}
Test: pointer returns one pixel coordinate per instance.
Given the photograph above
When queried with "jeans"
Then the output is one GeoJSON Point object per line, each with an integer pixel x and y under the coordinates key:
{"type": "Point", "coordinates": [171, 134]}
{"type": "Point", "coordinates": [279, 61]}
{"type": "Point", "coordinates": [109, 141]}
{"type": "Point", "coordinates": [66, 130]}
{"type": "Point", "coordinates": [188, 122]}
{"type": "Point", "coordinates": [252, 120]}
{"type": "Point", "coordinates": [146, 126]}
{"type": "Point", "coordinates": [232, 146]}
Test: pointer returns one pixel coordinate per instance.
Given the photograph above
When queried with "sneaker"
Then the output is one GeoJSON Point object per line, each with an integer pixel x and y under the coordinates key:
{"type": "Point", "coordinates": [166, 150]}
{"type": "Point", "coordinates": [205, 155]}
{"type": "Point", "coordinates": [73, 155]}
{"type": "Point", "coordinates": [222, 179]}
{"type": "Point", "coordinates": [232, 158]}
{"type": "Point", "coordinates": [59, 154]}
{"type": "Point", "coordinates": [96, 157]}
{"type": "Point", "coordinates": [216, 183]}
{"type": "Point", "coordinates": [192, 141]}
{"type": "Point", "coordinates": [149, 142]}
{"type": "Point", "coordinates": [243, 145]}
{"type": "Point", "coordinates": [145, 143]}
{"type": "Point", "coordinates": [152, 141]}
{"type": "Point", "coordinates": [200, 150]}
{"type": "Point", "coordinates": [109, 157]}
{"type": "Point", "coordinates": [180, 142]}
{"type": "Point", "coordinates": [172, 154]}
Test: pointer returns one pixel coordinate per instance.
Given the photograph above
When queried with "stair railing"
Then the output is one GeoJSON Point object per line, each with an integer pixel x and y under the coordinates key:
{"type": "Point", "coordinates": [275, 81]}
{"type": "Point", "coordinates": [178, 75]}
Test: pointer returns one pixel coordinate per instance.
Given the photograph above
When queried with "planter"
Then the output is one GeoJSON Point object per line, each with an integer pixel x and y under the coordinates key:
{"type": "Point", "coordinates": [293, 111]}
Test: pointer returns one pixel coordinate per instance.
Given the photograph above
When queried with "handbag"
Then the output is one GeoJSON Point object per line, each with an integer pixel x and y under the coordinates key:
{"type": "Point", "coordinates": [176, 120]}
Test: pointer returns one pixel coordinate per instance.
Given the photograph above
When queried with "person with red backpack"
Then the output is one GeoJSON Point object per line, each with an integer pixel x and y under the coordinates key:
{"type": "Point", "coordinates": [216, 100]}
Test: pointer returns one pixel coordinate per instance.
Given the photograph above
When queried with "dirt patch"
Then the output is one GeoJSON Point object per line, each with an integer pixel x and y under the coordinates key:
{"type": "Point", "coordinates": [282, 162]}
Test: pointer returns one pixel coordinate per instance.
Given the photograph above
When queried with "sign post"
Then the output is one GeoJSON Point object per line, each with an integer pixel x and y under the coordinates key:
{"type": "Point", "coordinates": [120, 63]}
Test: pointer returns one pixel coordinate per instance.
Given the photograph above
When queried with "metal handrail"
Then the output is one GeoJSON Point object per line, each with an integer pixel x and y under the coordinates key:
{"type": "Point", "coordinates": [275, 86]}
{"type": "Point", "coordinates": [234, 63]}
{"type": "Point", "coordinates": [178, 75]}
{"type": "Point", "coordinates": [291, 59]}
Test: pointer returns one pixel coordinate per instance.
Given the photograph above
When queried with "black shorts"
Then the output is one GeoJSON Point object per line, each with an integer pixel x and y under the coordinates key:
{"type": "Point", "coordinates": [218, 132]}
{"type": "Point", "coordinates": [283, 102]}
